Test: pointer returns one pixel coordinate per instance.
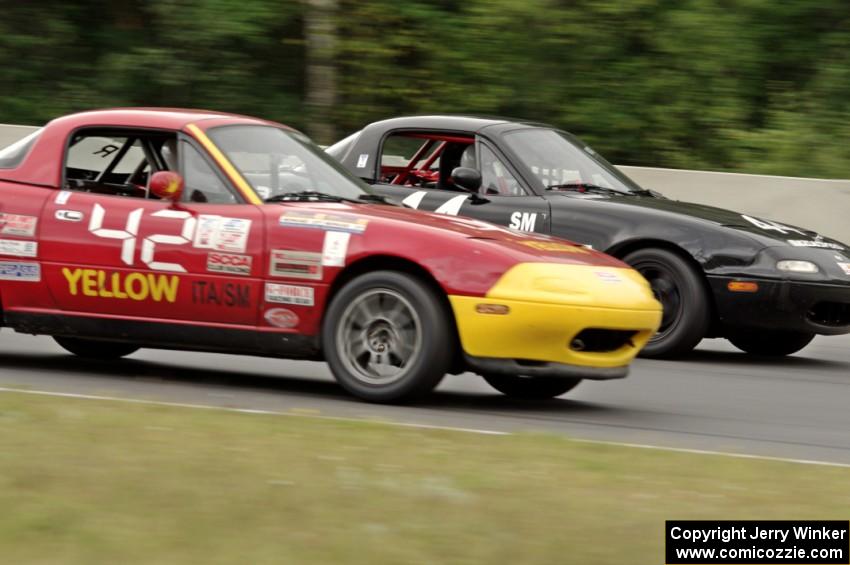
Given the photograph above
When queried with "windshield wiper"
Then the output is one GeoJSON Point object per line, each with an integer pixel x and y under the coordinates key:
{"type": "Point", "coordinates": [583, 187]}
{"type": "Point", "coordinates": [589, 187]}
{"type": "Point", "coordinates": [307, 196]}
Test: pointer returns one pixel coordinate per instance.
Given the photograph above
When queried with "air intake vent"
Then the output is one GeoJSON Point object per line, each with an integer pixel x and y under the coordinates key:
{"type": "Point", "coordinates": [596, 340]}
{"type": "Point", "coordinates": [830, 314]}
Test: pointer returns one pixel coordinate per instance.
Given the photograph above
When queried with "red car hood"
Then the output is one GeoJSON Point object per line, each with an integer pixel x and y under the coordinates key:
{"type": "Point", "coordinates": [465, 256]}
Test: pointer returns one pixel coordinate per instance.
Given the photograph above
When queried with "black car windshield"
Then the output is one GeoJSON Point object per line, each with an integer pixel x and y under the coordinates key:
{"type": "Point", "coordinates": [557, 158]}
{"type": "Point", "coordinates": [277, 162]}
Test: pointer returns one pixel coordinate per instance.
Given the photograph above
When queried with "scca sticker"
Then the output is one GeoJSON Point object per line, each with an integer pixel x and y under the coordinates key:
{"type": "Point", "coordinates": [122, 286]}
{"type": "Point", "coordinates": [229, 263]}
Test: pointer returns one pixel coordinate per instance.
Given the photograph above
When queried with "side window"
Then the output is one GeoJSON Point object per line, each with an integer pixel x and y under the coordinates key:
{"type": "Point", "coordinates": [495, 176]}
{"type": "Point", "coordinates": [396, 155]}
{"type": "Point", "coordinates": [425, 159]}
{"type": "Point", "coordinates": [202, 182]}
{"type": "Point", "coordinates": [114, 162]}
{"type": "Point", "coordinates": [90, 155]}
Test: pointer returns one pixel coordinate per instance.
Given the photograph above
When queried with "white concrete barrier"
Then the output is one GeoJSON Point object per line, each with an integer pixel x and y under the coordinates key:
{"type": "Point", "coordinates": [818, 204]}
{"type": "Point", "coordinates": [11, 134]}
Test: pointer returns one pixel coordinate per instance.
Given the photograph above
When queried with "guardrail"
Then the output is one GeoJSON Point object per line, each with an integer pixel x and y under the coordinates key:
{"type": "Point", "coordinates": [818, 204]}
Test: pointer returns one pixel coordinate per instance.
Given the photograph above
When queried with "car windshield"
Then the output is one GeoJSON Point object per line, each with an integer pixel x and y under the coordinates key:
{"type": "Point", "coordinates": [277, 162]}
{"type": "Point", "coordinates": [558, 159]}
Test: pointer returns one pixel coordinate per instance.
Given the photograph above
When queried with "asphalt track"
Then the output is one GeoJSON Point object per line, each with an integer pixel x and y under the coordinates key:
{"type": "Point", "coordinates": [716, 399]}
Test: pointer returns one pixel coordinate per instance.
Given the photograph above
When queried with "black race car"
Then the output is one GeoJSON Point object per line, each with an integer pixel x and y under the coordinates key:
{"type": "Point", "coordinates": [767, 287]}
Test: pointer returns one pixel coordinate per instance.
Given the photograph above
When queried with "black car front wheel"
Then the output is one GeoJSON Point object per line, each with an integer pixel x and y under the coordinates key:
{"type": "Point", "coordinates": [771, 343]}
{"type": "Point", "coordinates": [680, 289]}
{"type": "Point", "coordinates": [530, 388]}
{"type": "Point", "coordinates": [387, 337]}
{"type": "Point", "coordinates": [96, 349]}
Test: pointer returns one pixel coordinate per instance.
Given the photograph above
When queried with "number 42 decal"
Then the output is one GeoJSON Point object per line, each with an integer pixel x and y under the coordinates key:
{"type": "Point", "coordinates": [129, 236]}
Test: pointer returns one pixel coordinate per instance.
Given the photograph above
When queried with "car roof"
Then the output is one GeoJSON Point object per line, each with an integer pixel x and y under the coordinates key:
{"type": "Point", "coordinates": [460, 122]}
{"type": "Point", "coordinates": [166, 118]}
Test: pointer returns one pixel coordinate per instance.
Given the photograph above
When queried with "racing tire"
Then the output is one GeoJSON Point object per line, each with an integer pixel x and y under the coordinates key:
{"type": "Point", "coordinates": [770, 343]}
{"type": "Point", "coordinates": [682, 292]}
{"type": "Point", "coordinates": [96, 349]}
{"type": "Point", "coordinates": [387, 337]}
{"type": "Point", "coordinates": [530, 388]}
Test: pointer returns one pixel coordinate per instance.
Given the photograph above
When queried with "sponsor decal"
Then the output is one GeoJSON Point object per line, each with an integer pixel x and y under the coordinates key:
{"type": "Point", "coordinates": [815, 243]}
{"type": "Point", "coordinates": [330, 222]}
{"type": "Point", "coordinates": [226, 294]}
{"type": "Point", "coordinates": [553, 246]}
{"type": "Point", "coordinates": [18, 248]}
{"type": "Point", "coordinates": [768, 225]}
{"type": "Point", "coordinates": [63, 197]}
{"type": "Point", "coordinates": [415, 199]}
{"type": "Point", "coordinates": [233, 235]}
{"type": "Point", "coordinates": [452, 206]}
{"type": "Point", "coordinates": [362, 159]}
{"type": "Point", "coordinates": [608, 277]}
{"type": "Point", "coordinates": [845, 267]}
{"type": "Point", "coordinates": [295, 264]}
{"type": "Point", "coordinates": [229, 263]}
{"type": "Point", "coordinates": [222, 234]}
{"type": "Point", "coordinates": [129, 236]}
{"type": "Point", "coordinates": [289, 294]}
{"type": "Point", "coordinates": [122, 286]}
{"type": "Point", "coordinates": [523, 221]}
{"type": "Point", "coordinates": [69, 216]}
{"type": "Point", "coordinates": [28, 272]}
{"type": "Point", "coordinates": [335, 248]}
{"type": "Point", "coordinates": [281, 318]}
{"type": "Point", "coordinates": [15, 224]}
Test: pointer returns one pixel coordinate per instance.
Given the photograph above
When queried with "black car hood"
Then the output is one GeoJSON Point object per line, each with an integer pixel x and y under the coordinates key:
{"type": "Point", "coordinates": [765, 232]}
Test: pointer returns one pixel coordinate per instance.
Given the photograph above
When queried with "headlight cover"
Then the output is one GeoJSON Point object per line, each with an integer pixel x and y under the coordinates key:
{"type": "Point", "coordinates": [795, 266]}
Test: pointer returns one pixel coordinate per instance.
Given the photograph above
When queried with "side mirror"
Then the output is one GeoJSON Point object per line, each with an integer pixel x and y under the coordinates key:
{"type": "Point", "coordinates": [167, 185]}
{"type": "Point", "coordinates": [467, 179]}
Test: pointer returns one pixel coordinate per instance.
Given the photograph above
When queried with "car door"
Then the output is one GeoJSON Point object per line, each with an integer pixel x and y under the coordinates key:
{"type": "Point", "coordinates": [122, 253]}
{"type": "Point", "coordinates": [503, 198]}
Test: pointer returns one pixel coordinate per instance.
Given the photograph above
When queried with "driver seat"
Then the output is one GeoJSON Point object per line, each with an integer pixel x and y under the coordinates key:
{"type": "Point", "coordinates": [450, 159]}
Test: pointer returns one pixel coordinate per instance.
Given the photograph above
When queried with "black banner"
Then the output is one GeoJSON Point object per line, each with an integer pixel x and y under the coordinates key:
{"type": "Point", "coordinates": [694, 542]}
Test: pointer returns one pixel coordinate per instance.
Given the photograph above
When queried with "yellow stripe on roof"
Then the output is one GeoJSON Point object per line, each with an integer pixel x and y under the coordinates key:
{"type": "Point", "coordinates": [225, 164]}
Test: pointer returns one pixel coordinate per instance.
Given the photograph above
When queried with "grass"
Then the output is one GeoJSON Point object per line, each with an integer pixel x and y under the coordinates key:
{"type": "Point", "coordinates": [88, 482]}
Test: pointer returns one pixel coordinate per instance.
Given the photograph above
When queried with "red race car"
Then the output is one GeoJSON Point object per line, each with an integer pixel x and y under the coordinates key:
{"type": "Point", "coordinates": [178, 229]}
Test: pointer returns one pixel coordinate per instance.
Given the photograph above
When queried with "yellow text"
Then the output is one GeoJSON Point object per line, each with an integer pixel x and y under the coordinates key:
{"type": "Point", "coordinates": [132, 286]}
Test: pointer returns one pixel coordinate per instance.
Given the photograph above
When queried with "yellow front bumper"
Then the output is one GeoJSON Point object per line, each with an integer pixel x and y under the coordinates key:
{"type": "Point", "coordinates": [549, 305]}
